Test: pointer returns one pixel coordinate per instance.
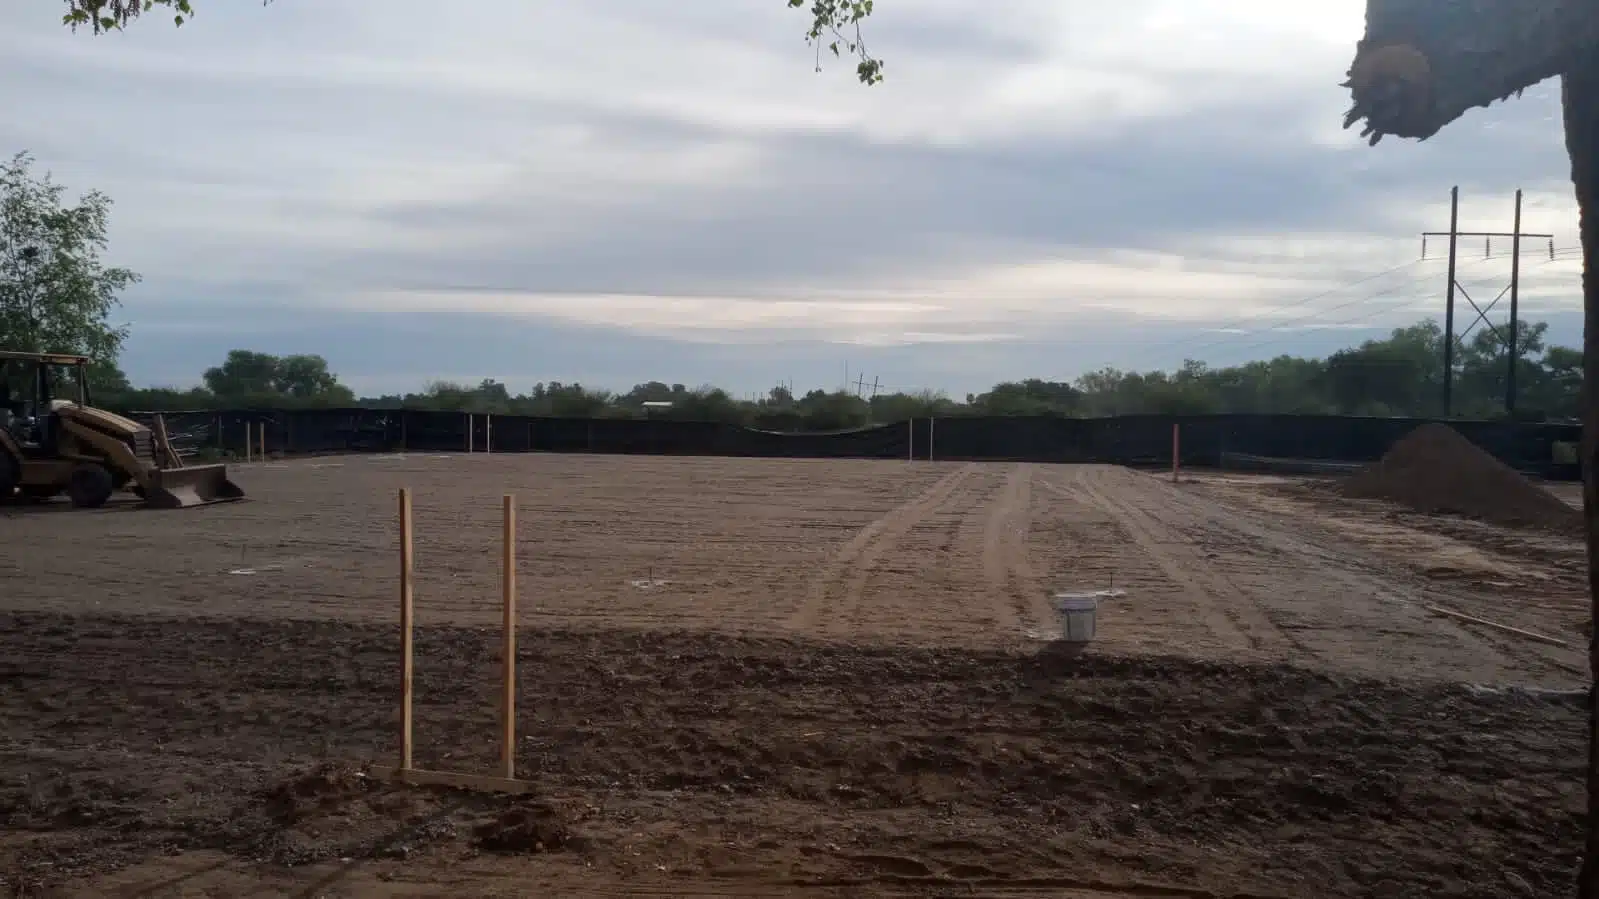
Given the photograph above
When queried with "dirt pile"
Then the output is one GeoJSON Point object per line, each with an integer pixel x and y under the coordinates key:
{"type": "Point", "coordinates": [527, 828]}
{"type": "Point", "coordinates": [316, 791]}
{"type": "Point", "coordinates": [1434, 469]}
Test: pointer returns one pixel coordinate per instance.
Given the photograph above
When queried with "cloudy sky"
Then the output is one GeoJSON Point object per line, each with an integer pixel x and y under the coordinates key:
{"type": "Point", "coordinates": [624, 190]}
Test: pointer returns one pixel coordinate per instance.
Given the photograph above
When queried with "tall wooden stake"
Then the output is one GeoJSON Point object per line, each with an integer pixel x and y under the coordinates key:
{"type": "Point", "coordinates": [508, 697]}
{"type": "Point", "coordinates": [405, 628]}
{"type": "Point", "coordinates": [488, 432]}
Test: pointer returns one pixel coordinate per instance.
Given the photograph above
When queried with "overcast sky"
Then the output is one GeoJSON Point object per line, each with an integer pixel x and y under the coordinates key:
{"type": "Point", "coordinates": [620, 190]}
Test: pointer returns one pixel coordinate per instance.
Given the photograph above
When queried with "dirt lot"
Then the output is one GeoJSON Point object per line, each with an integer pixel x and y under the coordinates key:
{"type": "Point", "coordinates": [779, 677]}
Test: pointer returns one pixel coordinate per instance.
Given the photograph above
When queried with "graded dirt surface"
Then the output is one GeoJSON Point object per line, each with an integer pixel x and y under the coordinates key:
{"type": "Point", "coordinates": [1536, 581]}
{"type": "Point", "coordinates": [788, 677]}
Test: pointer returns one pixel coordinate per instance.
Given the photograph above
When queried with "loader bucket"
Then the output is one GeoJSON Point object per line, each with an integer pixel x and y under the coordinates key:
{"type": "Point", "coordinates": [197, 485]}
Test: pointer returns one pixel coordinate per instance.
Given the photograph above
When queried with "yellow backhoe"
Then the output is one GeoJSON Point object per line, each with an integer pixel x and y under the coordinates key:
{"type": "Point", "coordinates": [52, 444]}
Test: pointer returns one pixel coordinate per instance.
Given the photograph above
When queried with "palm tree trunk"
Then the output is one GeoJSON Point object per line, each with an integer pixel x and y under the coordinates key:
{"type": "Point", "coordinates": [1581, 97]}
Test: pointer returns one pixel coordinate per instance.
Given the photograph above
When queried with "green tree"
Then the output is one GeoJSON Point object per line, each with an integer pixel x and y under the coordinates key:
{"type": "Point", "coordinates": [248, 376]}
{"type": "Point", "coordinates": [836, 411]}
{"type": "Point", "coordinates": [244, 373]}
{"type": "Point", "coordinates": [101, 16]}
{"type": "Point", "coordinates": [55, 293]}
{"type": "Point", "coordinates": [307, 377]}
{"type": "Point", "coordinates": [1559, 391]}
{"type": "Point", "coordinates": [1030, 397]}
{"type": "Point", "coordinates": [835, 24]}
{"type": "Point", "coordinates": [1483, 375]}
{"type": "Point", "coordinates": [569, 401]}
{"type": "Point", "coordinates": [1378, 378]}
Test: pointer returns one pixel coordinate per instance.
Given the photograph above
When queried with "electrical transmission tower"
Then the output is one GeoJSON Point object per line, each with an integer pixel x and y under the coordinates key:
{"type": "Point", "coordinates": [1454, 234]}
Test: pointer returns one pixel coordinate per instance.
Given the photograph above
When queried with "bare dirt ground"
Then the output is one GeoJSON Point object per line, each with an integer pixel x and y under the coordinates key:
{"type": "Point", "coordinates": [781, 677]}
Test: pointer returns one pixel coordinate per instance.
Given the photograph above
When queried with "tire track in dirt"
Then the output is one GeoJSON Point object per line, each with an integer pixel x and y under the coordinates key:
{"type": "Point", "coordinates": [1291, 588]}
{"type": "Point", "coordinates": [1373, 597]}
{"type": "Point", "coordinates": [1013, 589]}
{"type": "Point", "coordinates": [838, 589]}
{"type": "Point", "coordinates": [1226, 609]}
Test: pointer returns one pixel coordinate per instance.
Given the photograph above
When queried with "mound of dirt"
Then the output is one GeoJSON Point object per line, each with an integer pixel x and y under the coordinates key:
{"type": "Point", "coordinates": [1434, 469]}
{"type": "Point", "coordinates": [526, 828]}
{"type": "Point", "coordinates": [310, 792]}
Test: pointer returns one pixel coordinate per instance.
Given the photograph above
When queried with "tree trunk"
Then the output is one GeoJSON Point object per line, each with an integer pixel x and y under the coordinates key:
{"type": "Point", "coordinates": [1581, 96]}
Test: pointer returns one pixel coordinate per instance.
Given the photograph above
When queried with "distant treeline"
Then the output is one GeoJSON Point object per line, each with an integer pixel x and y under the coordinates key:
{"type": "Point", "coordinates": [1401, 375]}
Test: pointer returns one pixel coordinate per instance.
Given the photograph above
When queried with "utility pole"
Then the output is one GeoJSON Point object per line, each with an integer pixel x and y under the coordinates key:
{"type": "Point", "coordinates": [1515, 288]}
{"type": "Point", "coordinates": [1454, 234]}
{"type": "Point", "coordinates": [1449, 303]}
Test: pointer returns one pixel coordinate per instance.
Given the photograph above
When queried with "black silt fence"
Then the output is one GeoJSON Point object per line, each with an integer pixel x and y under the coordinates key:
{"type": "Point", "coordinates": [1206, 440]}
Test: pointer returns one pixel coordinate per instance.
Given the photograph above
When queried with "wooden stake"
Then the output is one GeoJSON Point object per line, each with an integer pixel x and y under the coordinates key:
{"type": "Point", "coordinates": [930, 423]}
{"type": "Point", "coordinates": [488, 432]}
{"type": "Point", "coordinates": [469, 424]}
{"type": "Point", "coordinates": [405, 627]}
{"type": "Point", "coordinates": [263, 442]}
{"type": "Point", "coordinates": [249, 438]}
{"type": "Point", "coordinates": [508, 697]}
{"type": "Point", "coordinates": [1176, 450]}
{"type": "Point", "coordinates": [910, 446]}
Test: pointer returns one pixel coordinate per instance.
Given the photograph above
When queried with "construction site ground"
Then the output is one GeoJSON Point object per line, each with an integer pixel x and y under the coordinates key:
{"type": "Point", "coordinates": [790, 677]}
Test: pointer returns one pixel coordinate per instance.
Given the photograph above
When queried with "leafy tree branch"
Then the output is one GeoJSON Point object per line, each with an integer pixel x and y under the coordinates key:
{"type": "Point", "coordinates": [835, 25]}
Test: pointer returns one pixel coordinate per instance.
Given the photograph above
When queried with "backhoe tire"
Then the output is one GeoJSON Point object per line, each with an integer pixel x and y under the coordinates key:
{"type": "Point", "coordinates": [90, 486]}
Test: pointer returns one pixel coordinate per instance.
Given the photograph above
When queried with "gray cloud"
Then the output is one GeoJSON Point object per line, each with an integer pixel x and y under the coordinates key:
{"type": "Point", "coordinates": [282, 174]}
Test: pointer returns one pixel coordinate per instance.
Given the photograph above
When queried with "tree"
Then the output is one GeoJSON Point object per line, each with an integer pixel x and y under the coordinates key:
{"type": "Point", "coordinates": [1398, 376]}
{"type": "Point", "coordinates": [259, 377]}
{"type": "Point", "coordinates": [1421, 66]}
{"type": "Point", "coordinates": [1029, 397]}
{"type": "Point", "coordinates": [307, 377]}
{"type": "Point", "coordinates": [55, 293]}
{"type": "Point", "coordinates": [243, 373]}
{"type": "Point", "coordinates": [835, 25]}
{"type": "Point", "coordinates": [836, 411]}
{"type": "Point", "coordinates": [101, 16]}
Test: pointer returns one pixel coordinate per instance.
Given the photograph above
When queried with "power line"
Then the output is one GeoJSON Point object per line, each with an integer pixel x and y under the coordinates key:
{"type": "Point", "coordinates": [1367, 298]}
{"type": "Point", "coordinates": [1560, 256]}
{"type": "Point", "coordinates": [1297, 303]}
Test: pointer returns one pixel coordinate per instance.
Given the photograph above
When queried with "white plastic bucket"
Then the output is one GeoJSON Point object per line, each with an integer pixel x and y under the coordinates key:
{"type": "Point", "coordinates": [1079, 614]}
